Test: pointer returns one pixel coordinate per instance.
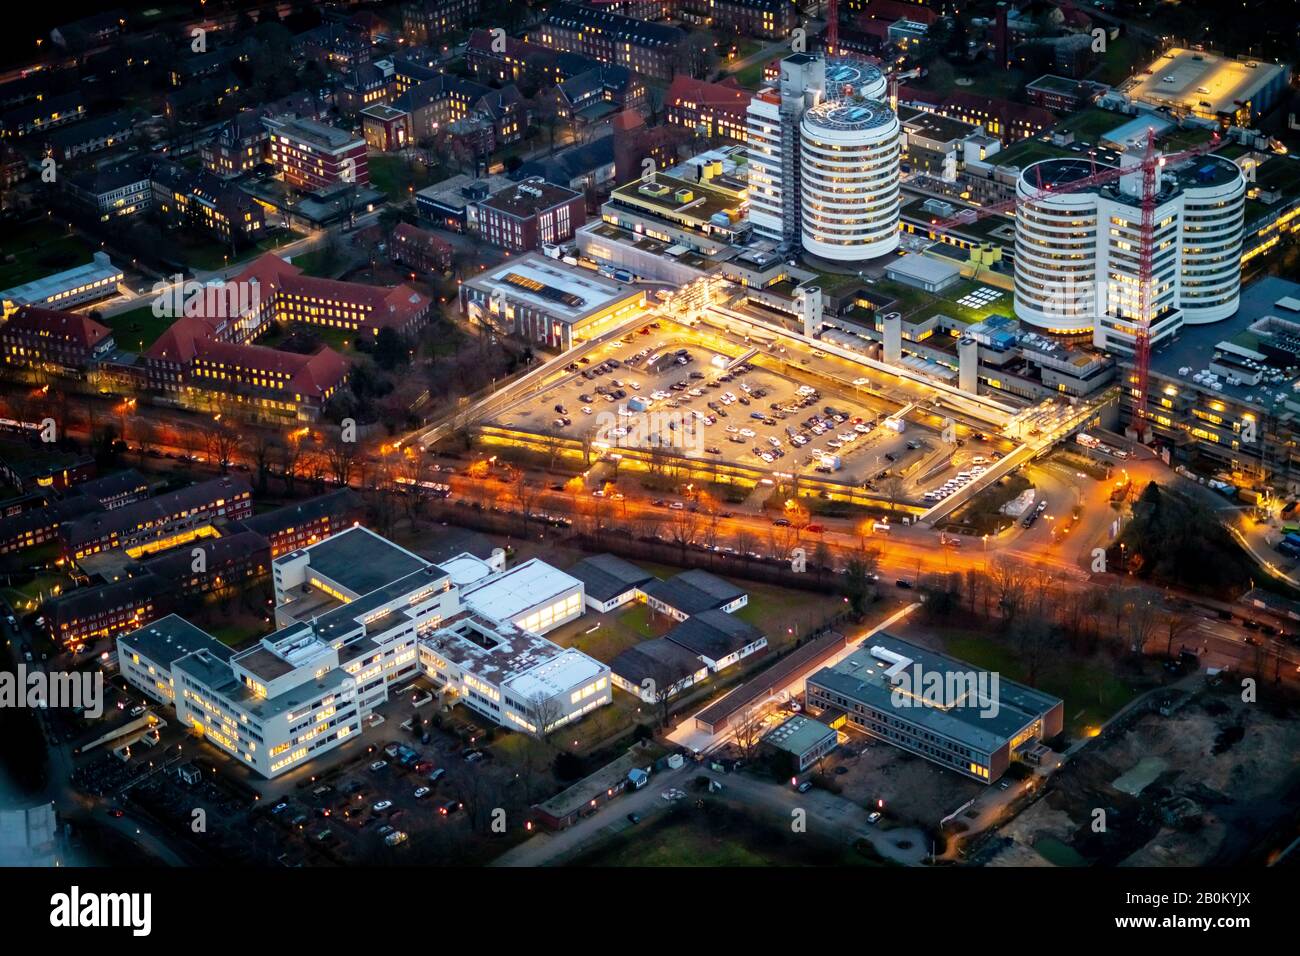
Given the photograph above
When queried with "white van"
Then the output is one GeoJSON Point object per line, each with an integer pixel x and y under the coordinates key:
{"type": "Point", "coordinates": [880, 527]}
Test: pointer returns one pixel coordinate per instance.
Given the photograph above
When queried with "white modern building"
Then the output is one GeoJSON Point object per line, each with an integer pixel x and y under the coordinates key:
{"type": "Point", "coordinates": [824, 160]}
{"type": "Point", "coordinates": [271, 706]}
{"type": "Point", "coordinates": [772, 122]}
{"type": "Point", "coordinates": [849, 169]}
{"type": "Point", "coordinates": [356, 615]}
{"type": "Point", "coordinates": [96, 279]}
{"type": "Point", "coordinates": [1078, 251]}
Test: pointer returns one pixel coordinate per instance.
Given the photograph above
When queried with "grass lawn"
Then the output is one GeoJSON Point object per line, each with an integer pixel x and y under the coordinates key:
{"type": "Point", "coordinates": [393, 174]}
{"type": "Point", "coordinates": [618, 631]}
{"type": "Point", "coordinates": [1057, 853]}
{"type": "Point", "coordinates": [42, 584]}
{"type": "Point", "coordinates": [1029, 151]}
{"type": "Point", "coordinates": [717, 837]}
{"type": "Point", "coordinates": [1090, 689]}
{"type": "Point", "coordinates": [39, 249]}
{"type": "Point", "coordinates": [139, 328]}
{"type": "Point", "coordinates": [1123, 56]}
{"type": "Point", "coordinates": [1091, 123]}
{"type": "Point", "coordinates": [322, 263]}
{"type": "Point", "coordinates": [751, 76]}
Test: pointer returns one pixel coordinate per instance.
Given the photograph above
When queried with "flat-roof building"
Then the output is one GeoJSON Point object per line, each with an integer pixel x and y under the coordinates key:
{"type": "Point", "coordinates": [63, 290]}
{"type": "Point", "coordinates": [358, 614]}
{"type": "Point", "coordinates": [801, 740]}
{"type": "Point", "coordinates": [937, 707]}
{"type": "Point", "coordinates": [1204, 84]}
{"type": "Point", "coordinates": [544, 301]}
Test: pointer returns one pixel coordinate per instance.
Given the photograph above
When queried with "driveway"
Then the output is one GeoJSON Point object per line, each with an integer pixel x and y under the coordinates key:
{"type": "Point", "coordinates": [828, 815]}
{"type": "Point", "coordinates": [552, 849]}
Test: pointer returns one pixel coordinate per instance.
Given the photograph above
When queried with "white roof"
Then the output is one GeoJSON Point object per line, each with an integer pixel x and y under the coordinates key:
{"type": "Point", "coordinates": [567, 670]}
{"type": "Point", "coordinates": [508, 595]}
{"type": "Point", "coordinates": [465, 569]}
{"type": "Point", "coordinates": [922, 268]}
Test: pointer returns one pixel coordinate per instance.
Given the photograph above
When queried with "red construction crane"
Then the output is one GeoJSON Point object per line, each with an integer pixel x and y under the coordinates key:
{"type": "Point", "coordinates": [832, 27]}
{"type": "Point", "coordinates": [1149, 167]}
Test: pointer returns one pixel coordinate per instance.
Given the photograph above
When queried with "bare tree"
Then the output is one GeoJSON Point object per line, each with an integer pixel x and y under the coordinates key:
{"type": "Point", "coordinates": [748, 728]}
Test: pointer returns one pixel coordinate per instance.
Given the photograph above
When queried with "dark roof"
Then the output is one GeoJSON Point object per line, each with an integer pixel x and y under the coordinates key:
{"type": "Point", "coordinates": [128, 517]}
{"type": "Point", "coordinates": [110, 486]}
{"type": "Point", "coordinates": [340, 503]}
{"type": "Point", "coordinates": [772, 679]}
{"type": "Point", "coordinates": [115, 124]}
{"type": "Point", "coordinates": [178, 563]}
{"type": "Point", "coordinates": [72, 328]}
{"type": "Point", "coordinates": [713, 634]}
{"type": "Point", "coordinates": [362, 561]}
{"type": "Point", "coordinates": [86, 601]}
{"type": "Point", "coordinates": [170, 638]}
{"type": "Point", "coordinates": [660, 660]}
{"type": "Point", "coordinates": [67, 510]}
{"type": "Point", "coordinates": [615, 26]}
{"type": "Point", "coordinates": [568, 164]}
{"type": "Point", "coordinates": [529, 197]}
{"type": "Point", "coordinates": [606, 576]}
{"type": "Point", "coordinates": [692, 592]}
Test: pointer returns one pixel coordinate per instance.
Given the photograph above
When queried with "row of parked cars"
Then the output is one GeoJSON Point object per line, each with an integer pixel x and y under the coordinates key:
{"type": "Point", "coordinates": [953, 485]}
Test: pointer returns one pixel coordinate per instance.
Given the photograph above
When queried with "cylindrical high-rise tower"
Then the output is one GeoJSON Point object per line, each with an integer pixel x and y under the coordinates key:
{"type": "Point", "coordinates": [849, 162]}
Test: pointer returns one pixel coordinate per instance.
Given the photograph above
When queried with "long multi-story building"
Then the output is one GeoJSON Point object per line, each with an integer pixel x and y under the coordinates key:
{"type": "Point", "coordinates": [159, 523]}
{"type": "Point", "coordinates": [96, 279]}
{"type": "Point", "coordinates": [656, 50]}
{"type": "Point", "coordinates": [313, 156]}
{"type": "Point", "coordinates": [768, 19]}
{"type": "Point", "coordinates": [1078, 259]}
{"type": "Point", "coordinates": [205, 360]}
{"type": "Point", "coordinates": [937, 707]}
{"type": "Point", "coordinates": [358, 615]}
{"type": "Point", "coordinates": [52, 341]}
{"type": "Point", "coordinates": [430, 21]}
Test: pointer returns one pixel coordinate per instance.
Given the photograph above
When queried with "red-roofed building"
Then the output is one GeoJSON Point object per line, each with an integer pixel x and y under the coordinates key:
{"type": "Point", "coordinates": [50, 340]}
{"type": "Point", "coordinates": [204, 360]}
{"type": "Point", "coordinates": [1007, 120]}
{"type": "Point", "coordinates": [286, 295]}
{"type": "Point", "coordinates": [711, 109]}
{"type": "Point", "coordinates": [419, 249]}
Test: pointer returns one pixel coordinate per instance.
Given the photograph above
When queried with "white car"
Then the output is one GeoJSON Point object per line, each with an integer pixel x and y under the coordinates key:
{"type": "Point", "coordinates": [586, 409]}
{"type": "Point", "coordinates": [773, 441]}
{"type": "Point", "coordinates": [861, 381]}
{"type": "Point", "coordinates": [747, 433]}
{"type": "Point", "coordinates": [382, 805]}
{"type": "Point", "coordinates": [422, 792]}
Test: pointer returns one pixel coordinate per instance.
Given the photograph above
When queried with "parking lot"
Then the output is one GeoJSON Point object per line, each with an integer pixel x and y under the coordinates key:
{"type": "Point", "coordinates": [661, 387]}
